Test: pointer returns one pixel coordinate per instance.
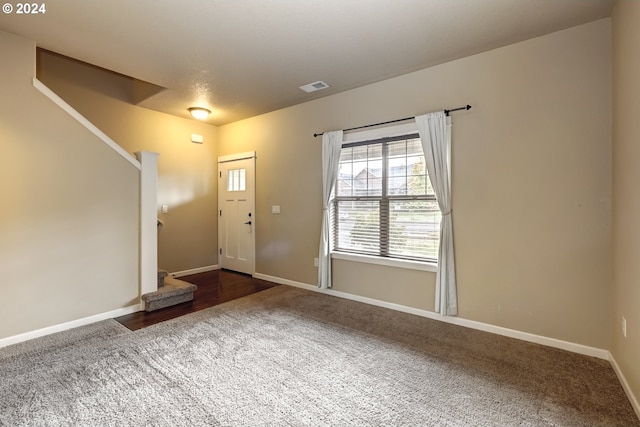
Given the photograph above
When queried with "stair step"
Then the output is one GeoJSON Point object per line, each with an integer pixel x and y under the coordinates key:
{"type": "Point", "coordinates": [173, 292]}
{"type": "Point", "coordinates": [161, 276]}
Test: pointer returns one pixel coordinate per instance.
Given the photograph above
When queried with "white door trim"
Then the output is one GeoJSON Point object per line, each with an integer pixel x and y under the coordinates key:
{"type": "Point", "coordinates": [232, 158]}
{"type": "Point", "coordinates": [238, 156]}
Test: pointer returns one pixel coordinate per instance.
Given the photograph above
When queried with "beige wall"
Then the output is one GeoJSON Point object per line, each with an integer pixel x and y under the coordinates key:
{"type": "Point", "coordinates": [411, 288]}
{"type": "Point", "coordinates": [531, 183]}
{"type": "Point", "coordinates": [186, 171]}
{"type": "Point", "coordinates": [626, 184]}
{"type": "Point", "coordinates": [69, 224]}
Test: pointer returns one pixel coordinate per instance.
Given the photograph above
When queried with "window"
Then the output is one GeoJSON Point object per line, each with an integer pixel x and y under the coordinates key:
{"type": "Point", "coordinates": [385, 204]}
{"type": "Point", "coordinates": [236, 180]}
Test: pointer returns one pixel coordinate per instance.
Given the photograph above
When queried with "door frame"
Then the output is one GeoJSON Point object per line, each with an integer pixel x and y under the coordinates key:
{"type": "Point", "coordinates": [231, 158]}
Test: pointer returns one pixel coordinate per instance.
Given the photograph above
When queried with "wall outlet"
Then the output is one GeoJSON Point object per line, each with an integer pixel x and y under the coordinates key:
{"type": "Point", "coordinates": [315, 262]}
{"type": "Point", "coordinates": [624, 327]}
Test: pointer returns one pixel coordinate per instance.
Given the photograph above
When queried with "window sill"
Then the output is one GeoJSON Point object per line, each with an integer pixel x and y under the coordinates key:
{"type": "Point", "coordinates": [390, 262]}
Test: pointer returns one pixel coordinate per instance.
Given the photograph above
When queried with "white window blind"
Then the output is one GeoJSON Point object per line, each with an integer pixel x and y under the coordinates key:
{"type": "Point", "coordinates": [384, 202]}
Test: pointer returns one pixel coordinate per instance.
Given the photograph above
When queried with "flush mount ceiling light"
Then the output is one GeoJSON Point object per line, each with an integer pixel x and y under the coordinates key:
{"type": "Point", "coordinates": [199, 113]}
{"type": "Point", "coordinates": [312, 87]}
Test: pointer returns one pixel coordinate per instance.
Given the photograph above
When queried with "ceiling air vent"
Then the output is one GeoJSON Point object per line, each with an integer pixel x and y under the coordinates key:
{"type": "Point", "coordinates": [312, 87]}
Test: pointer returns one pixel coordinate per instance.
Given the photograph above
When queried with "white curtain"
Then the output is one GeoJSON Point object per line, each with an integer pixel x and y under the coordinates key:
{"type": "Point", "coordinates": [331, 146]}
{"type": "Point", "coordinates": [435, 133]}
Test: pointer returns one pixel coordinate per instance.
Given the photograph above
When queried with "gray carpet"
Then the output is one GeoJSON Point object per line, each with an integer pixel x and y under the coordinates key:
{"type": "Point", "coordinates": [290, 357]}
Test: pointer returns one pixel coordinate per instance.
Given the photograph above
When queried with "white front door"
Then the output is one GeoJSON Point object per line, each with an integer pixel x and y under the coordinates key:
{"type": "Point", "coordinates": [236, 212]}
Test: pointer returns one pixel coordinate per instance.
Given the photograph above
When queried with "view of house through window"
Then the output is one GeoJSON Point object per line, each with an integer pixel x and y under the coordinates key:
{"type": "Point", "coordinates": [385, 204]}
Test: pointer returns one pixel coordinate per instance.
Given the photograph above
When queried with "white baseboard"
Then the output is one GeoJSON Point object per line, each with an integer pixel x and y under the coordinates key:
{"type": "Point", "coordinates": [69, 325]}
{"type": "Point", "coordinates": [91, 319]}
{"type": "Point", "coordinates": [512, 333]}
{"type": "Point", "coordinates": [195, 270]}
{"type": "Point", "coordinates": [625, 385]}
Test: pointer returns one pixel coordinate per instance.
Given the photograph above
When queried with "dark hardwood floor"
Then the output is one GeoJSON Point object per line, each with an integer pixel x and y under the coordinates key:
{"type": "Point", "coordinates": [214, 287]}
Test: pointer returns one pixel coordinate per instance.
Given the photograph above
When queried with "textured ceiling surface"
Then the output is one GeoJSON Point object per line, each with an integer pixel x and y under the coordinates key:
{"type": "Point", "coordinates": [241, 58]}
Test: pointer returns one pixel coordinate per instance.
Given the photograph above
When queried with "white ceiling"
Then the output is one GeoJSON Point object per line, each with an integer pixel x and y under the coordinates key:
{"type": "Point", "coordinates": [241, 58]}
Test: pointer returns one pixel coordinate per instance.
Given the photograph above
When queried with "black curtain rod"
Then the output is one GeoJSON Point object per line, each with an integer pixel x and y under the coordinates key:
{"type": "Point", "coordinates": [446, 112]}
